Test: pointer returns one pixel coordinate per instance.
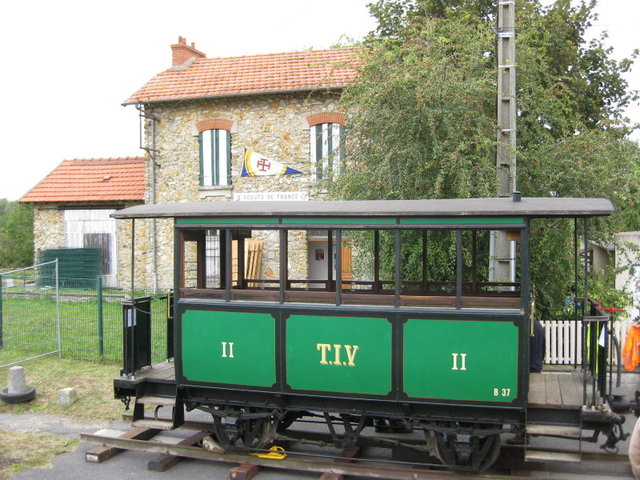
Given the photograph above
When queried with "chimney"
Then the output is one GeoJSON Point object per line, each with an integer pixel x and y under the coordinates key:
{"type": "Point", "coordinates": [183, 52]}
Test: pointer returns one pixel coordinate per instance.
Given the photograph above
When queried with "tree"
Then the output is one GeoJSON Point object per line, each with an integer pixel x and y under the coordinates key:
{"type": "Point", "coordinates": [16, 235]}
{"type": "Point", "coordinates": [422, 115]}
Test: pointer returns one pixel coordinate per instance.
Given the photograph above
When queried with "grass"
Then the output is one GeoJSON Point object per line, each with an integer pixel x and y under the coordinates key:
{"type": "Point", "coordinates": [23, 451]}
{"type": "Point", "coordinates": [28, 327]}
{"type": "Point", "coordinates": [92, 380]}
{"type": "Point", "coordinates": [29, 319]}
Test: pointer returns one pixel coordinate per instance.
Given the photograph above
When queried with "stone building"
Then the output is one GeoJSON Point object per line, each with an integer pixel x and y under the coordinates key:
{"type": "Point", "coordinates": [202, 115]}
{"type": "Point", "coordinates": [250, 128]}
{"type": "Point", "coordinates": [73, 204]}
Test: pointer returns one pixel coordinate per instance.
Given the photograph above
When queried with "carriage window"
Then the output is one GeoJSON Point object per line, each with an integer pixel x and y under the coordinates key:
{"type": "Point", "coordinates": [481, 287]}
{"type": "Point", "coordinates": [309, 266]}
{"type": "Point", "coordinates": [256, 265]}
{"type": "Point", "coordinates": [207, 265]}
{"type": "Point", "coordinates": [367, 273]}
{"type": "Point", "coordinates": [428, 268]}
{"type": "Point", "coordinates": [440, 268]}
{"type": "Point", "coordinates": [201, 273]}
{"type": "Point", "coordinates": [191, 260]}
{"type": "Point", "coordinates": [213, 248]}
{"type": "Point", "coordinates": [430, 262]}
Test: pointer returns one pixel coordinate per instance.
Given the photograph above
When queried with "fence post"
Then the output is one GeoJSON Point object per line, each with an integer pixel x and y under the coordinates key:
{"type": "Point", "coordinates": [100, 319]}
{"type": "Point", "coordinates": [1, 338]}
{"type": "Point", "coordinates": [58, 327]}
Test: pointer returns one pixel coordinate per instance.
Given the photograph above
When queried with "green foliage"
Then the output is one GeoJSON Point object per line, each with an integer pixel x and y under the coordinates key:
{"type": "Point", "coordinates": [422, 118]}
{"type": "Point", "coordinates": [16, 234]}
{"type": "Point", "coordinates": [595, 163]}
{"type": "Point", "coordinates": [600, 289]}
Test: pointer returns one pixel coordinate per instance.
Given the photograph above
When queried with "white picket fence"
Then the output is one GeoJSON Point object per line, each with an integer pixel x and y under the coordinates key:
{"type": "Point", "coordinates": [563, 340]}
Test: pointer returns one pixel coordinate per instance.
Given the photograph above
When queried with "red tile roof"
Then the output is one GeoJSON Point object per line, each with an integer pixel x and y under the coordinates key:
{"type": "Point", "coordinates": [90, 180]}
{"type": "Point", "coordinates": [256, 74]}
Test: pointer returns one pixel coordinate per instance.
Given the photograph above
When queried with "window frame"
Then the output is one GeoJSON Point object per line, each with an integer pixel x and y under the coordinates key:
{"type": "Point", "coordinates": [326, 144]}
{"type": "Point", "coordinates": [214, 152]}
{"type": "Point", "coordinates": [341, 289]}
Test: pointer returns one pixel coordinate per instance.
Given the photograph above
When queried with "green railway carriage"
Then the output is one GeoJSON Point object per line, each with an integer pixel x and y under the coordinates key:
{"type": "Point", "coordinates": [359, 311]}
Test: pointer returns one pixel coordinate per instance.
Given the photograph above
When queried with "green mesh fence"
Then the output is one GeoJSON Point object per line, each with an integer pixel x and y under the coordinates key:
{"type": "Point", "coordinates": [77, 267]}
{"type": "Point", "coordinates": [87, 320]}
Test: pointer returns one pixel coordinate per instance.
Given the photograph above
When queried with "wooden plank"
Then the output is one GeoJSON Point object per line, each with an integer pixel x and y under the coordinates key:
{"type": "Point", "coordinates": [542, 455]}
{"type": "Point", "coordinates": [163, 463]}
{"type": "Point", "coordinates": [579, 377]}
{"type": "Point", "coordinates": [554, 430]}
{"type": "Point", "coordinates": [102, 453]}
{"type": "Point", "coordinates": [162, 374]}
{"type": "Point", "coordinates": [189, 425]}
{"type": "Point", "coordinates": [159, 371]}
{"type": "Point", "coordinates": [246, 471]}
{"type": "Point", "coordinates": [252, 265]}
{"type": "Point", "coordinates": [158, 424]}
{"type": "Point", "coordinates": [370, 470]}
{"type": "Point", "coordinates": [151, 400]}
{"type": "Point", "coordinates": [347, 453]}
{"type": "Point", "coordinates": [570, 390]}
{"type": "Point", "coordinates": [536, 389]}
{"type": "Point", "coordinates": [552, 390]}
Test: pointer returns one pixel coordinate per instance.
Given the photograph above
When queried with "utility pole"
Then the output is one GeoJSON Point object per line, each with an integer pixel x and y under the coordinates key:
{"type": "Point", "coordinates": [502, 263]}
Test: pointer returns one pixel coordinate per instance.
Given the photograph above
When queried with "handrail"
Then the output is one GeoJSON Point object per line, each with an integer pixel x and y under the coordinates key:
{"type": "Point", "coordinates": [596, 345]}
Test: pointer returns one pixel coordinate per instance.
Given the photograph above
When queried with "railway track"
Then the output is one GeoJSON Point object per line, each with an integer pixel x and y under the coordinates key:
{"type": "Point", "coordinates": [374, 457]}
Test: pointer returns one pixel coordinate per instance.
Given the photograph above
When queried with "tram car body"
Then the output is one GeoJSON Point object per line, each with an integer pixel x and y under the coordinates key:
{"type": "Point", "coordinates": [447, 353]}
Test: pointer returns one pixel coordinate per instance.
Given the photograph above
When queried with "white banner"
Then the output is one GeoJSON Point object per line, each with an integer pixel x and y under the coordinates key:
{"type": "Point", "coordinates": [271, 196]}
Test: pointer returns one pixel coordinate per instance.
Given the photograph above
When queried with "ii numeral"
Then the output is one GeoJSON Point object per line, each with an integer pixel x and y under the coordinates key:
{"type": "Point", "coordinates": [462, 364]}
{"type": "Point", "coordinates": [227, 349]}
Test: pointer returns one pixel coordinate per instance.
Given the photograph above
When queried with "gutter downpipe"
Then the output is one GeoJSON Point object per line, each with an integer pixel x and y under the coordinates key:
{"type": "Point", "coordinates": [154, 226]}
{"type": "Point", "coordinates": [152, 200]}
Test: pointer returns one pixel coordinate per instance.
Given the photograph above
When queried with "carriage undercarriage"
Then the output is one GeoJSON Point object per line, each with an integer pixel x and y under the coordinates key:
{"type": "Point", "coordinates": [464, 440]}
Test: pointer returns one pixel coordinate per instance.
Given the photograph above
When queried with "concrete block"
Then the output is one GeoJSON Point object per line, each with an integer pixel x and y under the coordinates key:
{"type": "Point", "coordinates": [67, 396]}
{"type": "Point", "coordinates": [17, 381]}
{"type": "Point", "coordinates": [17, 390]}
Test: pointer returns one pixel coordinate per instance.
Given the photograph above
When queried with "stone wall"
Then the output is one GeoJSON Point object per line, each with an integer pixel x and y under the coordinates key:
{"type": "Point", "coordinates": [48, 229]}
{"type": "Point", "coordinates": [273, 125]}
{"type": "Point", "coordinates": [49, 233]}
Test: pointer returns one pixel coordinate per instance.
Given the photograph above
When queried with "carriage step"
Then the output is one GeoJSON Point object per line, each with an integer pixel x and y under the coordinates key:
{"type": "Point", "coordinates": [553, 430]}
{"type": "Point", "coordinates": [157, 424]}
{"type": "Point", "coordinates": [162, 401]}
{"type": "Point", "coordinates": [545, 456]}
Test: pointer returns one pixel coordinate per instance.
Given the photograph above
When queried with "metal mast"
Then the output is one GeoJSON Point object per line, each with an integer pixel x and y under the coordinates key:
{"type": "Point", "coordinates": [502, 265]}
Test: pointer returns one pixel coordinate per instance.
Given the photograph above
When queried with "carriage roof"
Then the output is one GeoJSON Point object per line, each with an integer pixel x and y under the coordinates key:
{"type": "Point", "coordinates": [461, 207]}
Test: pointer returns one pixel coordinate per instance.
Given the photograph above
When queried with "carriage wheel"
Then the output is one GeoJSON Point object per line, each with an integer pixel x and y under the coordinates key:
{"type": "Point", "coordinates": [258, 433]}
{"type": "Point", "coordinates": [475, 453]}
{"type": "Point", "coordinates": [253, 433]}
{"type": "Point", "coordinates": [286, 421]}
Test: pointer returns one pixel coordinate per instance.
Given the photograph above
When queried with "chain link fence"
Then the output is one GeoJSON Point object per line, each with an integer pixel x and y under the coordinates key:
{"type": "Point", "coordinates": [41, 315]}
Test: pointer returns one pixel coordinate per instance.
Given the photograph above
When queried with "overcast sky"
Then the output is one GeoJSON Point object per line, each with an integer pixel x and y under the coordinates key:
{"type": "Point", "coordinates": [69, 64]}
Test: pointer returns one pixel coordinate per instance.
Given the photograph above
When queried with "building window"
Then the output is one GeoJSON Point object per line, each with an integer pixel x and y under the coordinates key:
{"type": "Point", "coordinates": [215, 152]}
{"type": "Point", "coordinates": [327, 139]}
